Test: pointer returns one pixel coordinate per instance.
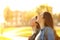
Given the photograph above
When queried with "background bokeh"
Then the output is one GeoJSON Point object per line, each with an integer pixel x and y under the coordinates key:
{"type": "Point", "coordinates": [14, 23]}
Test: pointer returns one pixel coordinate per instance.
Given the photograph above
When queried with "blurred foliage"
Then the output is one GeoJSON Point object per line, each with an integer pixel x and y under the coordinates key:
{"type": "Point", "coordinates": [56, 18]}
{"type": "Point", "coordinates": [8, 14]}
{"type": "Point", "coordinates": [44, 7]}
{"type": "Point", "coordinates": [27, 15]}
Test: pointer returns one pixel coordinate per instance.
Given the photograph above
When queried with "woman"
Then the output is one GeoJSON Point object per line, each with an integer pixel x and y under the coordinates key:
{"type": "Point", "coordinates": [46, 24]}
{"type": "Point", "coordinates": [36, 27]}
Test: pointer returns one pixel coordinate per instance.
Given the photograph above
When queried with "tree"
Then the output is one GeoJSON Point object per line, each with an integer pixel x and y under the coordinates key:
{"type": "Point", "coordinates": [59, 18]}
{"type": "Point", "coordinates": [44, 7]}
{"type": "Point", "coordinates": [7, 14]}
{"type": "Point", "coordinates": [26, 17]}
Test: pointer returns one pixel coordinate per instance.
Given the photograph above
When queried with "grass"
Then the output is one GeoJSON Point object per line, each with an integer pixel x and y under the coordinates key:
{"type": "Point", "coordinates": [4, 38]}
{"type": "Point", "coordinates": [57, 31]}
{"type": "Point", "coordinates": [24, 32]}
{"type": "Point", "coordinates": [7, 29]}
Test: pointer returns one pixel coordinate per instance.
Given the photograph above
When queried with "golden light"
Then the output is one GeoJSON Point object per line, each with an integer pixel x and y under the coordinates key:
{"type": "Point", "coordinates": [23, 5]}
{"type": "Point", "coordinates": [28, 5]}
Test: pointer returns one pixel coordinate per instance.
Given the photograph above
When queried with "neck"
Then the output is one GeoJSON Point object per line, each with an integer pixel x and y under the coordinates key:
{"type": "Point", "coordinates": [42, 25]}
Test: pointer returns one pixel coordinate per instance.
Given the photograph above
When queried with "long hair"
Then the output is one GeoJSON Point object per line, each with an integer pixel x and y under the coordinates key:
{"type": "Point", "coordinates": [49, 22]}
{"type": "Point", "coordinates": [37, 24]}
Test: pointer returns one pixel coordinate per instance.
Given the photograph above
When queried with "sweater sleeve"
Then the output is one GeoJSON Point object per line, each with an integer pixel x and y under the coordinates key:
{"type": "Point", "coordinates": [50, 34]}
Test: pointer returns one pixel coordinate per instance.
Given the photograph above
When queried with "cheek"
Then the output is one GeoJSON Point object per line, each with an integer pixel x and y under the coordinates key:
{"type": "Point", "coordinates": [39, 19]}
{"type": "Point", "coordinates": [33, 24]}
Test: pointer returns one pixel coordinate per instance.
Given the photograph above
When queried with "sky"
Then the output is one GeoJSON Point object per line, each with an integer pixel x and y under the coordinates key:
{"type": "Point", "coordinates": [27, 5]}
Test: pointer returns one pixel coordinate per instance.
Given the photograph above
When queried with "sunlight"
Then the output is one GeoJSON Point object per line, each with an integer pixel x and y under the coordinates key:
{"type": "Point", "coordinates": [23, 5]}
{"type": "Point", "coordinates": [28, 5]}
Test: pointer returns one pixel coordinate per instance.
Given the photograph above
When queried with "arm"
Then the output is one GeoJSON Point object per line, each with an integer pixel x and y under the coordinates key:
{"type": "Point", "coordinates": [50, 34]}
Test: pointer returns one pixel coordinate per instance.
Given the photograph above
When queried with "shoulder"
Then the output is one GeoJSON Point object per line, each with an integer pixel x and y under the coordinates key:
{"type": "Point", "coordinates": [49, 31]}
{"type": "Point", "coordinates": [48, 28]}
